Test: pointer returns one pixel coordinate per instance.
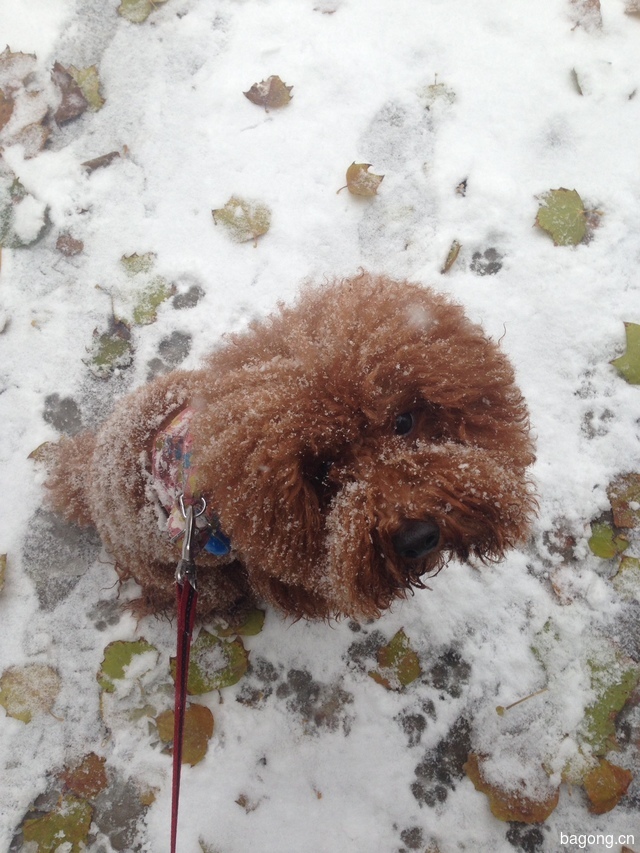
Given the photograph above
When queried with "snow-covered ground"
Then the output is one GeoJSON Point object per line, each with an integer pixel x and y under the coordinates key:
{"type": "Point", "coordinates": [308, 751]}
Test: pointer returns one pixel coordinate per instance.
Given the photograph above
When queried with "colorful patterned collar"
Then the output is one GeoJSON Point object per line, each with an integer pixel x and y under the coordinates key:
{"type": "Point", "coordinates": [175, 480]}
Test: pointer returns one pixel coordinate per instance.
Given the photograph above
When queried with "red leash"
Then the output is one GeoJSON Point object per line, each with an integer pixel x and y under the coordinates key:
{"type": "Point", "coordinates": [187, 597]}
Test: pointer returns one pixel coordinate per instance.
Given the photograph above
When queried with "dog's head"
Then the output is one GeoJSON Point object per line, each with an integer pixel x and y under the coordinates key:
{"type": "Point", "coordinates": [356, 441]}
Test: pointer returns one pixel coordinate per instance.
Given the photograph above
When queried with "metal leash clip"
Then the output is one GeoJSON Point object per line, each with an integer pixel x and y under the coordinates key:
{"type": "Point", "coordinates": [186, 568]}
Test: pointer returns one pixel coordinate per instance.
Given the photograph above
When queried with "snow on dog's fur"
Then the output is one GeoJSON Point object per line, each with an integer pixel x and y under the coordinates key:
{"type": "Point", "coordinates": [349, 446]}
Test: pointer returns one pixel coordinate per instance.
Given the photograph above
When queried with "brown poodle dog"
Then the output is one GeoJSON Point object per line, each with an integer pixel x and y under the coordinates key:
{"type": "Point", "coordinates": [345, 447]}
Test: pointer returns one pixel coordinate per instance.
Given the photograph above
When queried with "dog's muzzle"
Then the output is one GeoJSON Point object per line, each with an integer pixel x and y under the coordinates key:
{"type": "Point", "coordinates": [416, 539]}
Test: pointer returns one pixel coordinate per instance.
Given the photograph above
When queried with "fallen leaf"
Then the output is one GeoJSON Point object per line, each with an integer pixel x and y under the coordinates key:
{"type": "Point", "coordinates": [624, 496]}
{"type": "Point", "coordinates": [452, 256]}
{"type": "Point", "coordinates": [605, 786]}
{"type": "Point", "coordinates": [68, 245]}
{"type": "Point", "coordinates": [198, 729]}
{"type": "Point", "coordinates": [111, 350]}
{"type": "Point", "coordinates": [214, 664]}
{"type": "Point", "coordinates": [587, 13]}
{"type": "Point", "coordinates": [145, 310]}
{"type": "Point", "coordinates": [247, 804]}
{"type": "Point", "coordinates": [243, 220]}
{"type": "Point", "coordinates": [605, 542]}
{"type": "Point", "coordinates": [64, 828]}
{"type": "Point", "coordinates": [362, 182]}
{"type": "Point", "coordinates": [398, 664]}
{"type": "Point", "coordinates": [509, 805]}
{"type": "Point", "coordinates": [88, 81]}
{"type": "Point", "coordinates": [136, 264]}
{"type": "Point", "coordinates": [252, 625]}
{"type": "Point", "coordinates": [562, 215]}
{"type": "Point", "coordinates": [101, 162]}
{"type": "Point", "coordinates": [28, 690]}
{"type": "Point", "coordinates": [628, 365]}
{"type": "Point", "coordinates": [73, 102]}
{"type": "Point", "coordinates": [613, 680]}
{"type": "Point", "coordinates": [271, 93]}
{"type": "Point", "coordinates": [117, 657]}
{"type": "Point", "coordinates": [87, 778]}
{"type": "Point", "coordinates": [137, 11]}
{"type": "Point", "coordinates": [6, 108]}
{"type": "Point", "coordinates": [19, 226]}
{"type": "Point", "coordinates": [626, 581]}
{"type": "Point", "coordinates": [436, 94]}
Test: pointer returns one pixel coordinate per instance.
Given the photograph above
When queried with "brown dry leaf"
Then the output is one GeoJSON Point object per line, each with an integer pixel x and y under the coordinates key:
{"type": "Point", "coordinates": [28, 690]}
{"type": "Point", "coordinates": [510, 805]}
{"type": "Point", "coordinates": [101, 162]}
{"type": "Point", "coordinates": [198, 729]}
{"type": "Point", "coordinates": [624, 495]}
{"type": "Point", "coordinates": [68, 245]}
{"type": "Point", "coordinates": [360, 181]}
{"type": "Point", "coordinates": [87, 778]}
{"type": "Point", "coordinates": [15, 68]}
{"type": "Point", "coordinates": [605, 786]}
{"type": "Point", "coordinates": [587, 14]}
{"type": "Point", "coordinates": [73, 102]}
{"type": "Point", "coordinates": [6, 108]}
{"type": "Point", "coordinates": [271, 93]}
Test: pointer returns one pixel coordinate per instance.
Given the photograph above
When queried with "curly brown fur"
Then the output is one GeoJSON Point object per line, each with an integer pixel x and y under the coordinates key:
{"type": "Point", "coordinates": [327, 435]}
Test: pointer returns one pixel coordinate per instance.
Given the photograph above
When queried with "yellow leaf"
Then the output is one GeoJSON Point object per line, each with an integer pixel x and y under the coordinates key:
{"type": "Point", "coordinates": [243, 220]}
{"type": "Point", "coordinates": [398, 664]}
{"type": "Point", "coordinates": [198, 729]}
{"type": "Point", "coordinates": [605, 786]}
{"type": "Point", "coordinates": [362, 182]}
{"type": "Point", "coordinates": [28, 690]}
{"type": "Point", "coordinates": [454, 251]}
{"type": "Point", "coordinates": [510, 805]}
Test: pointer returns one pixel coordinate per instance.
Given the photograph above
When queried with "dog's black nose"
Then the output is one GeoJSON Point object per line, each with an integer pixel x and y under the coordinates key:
{"type": "Point", "coordinates": [416, 539]}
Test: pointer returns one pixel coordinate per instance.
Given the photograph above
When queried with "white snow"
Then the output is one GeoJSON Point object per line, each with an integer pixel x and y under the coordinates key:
{"type": "Point", "coordinates": [512, 122]}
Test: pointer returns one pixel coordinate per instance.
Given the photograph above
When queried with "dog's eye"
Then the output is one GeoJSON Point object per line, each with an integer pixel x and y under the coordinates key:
{"type": "Point", "coordinates": [404, 423]}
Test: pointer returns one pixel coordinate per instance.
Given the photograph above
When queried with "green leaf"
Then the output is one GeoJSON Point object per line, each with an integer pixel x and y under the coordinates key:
{"type": "Point", "coordinates": [613, 681]}
{"type": "Point", "coordinates": [28, 690]}
{"type": "Point", "coordinates": [604, 542]}
{"type": "Point", "coordinates": [136, 264]}
{"type": "Point", "coordinates": [117, 657]}
{"type": "Point", "coordinates": [252, 625]}
{"type": "Point", "coordinates": [112, 350]}
{"type": "Point", "coordinates": [398, 664]}
{"type": "Point", "coordinates": [12, 196]}
{"type": "Point", "coordinates": [243, 220]}
{"type": "Point", "coordinates": [628, 365]}
{"type": "Point", "coordinates": [562, 215]}
{"type": "Point", "coordinates": [214, 664]}
{"type": "Point", "coordinates": [89, 82]}
{"type": "Point", "coordinates": [146, 308]}
{"type": "Point", "coordinates": [137, 11]}
{"type": "Point", "coordinates": [627, 580]}
{"type": "Point", "coordinates": [67, 824]}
